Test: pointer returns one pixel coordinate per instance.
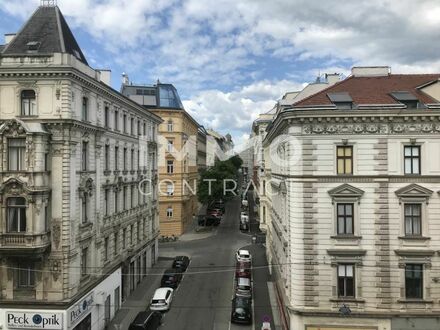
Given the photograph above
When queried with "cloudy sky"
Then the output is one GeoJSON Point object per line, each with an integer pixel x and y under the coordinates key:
{"type": "Point", "coordinates": [232, 59]}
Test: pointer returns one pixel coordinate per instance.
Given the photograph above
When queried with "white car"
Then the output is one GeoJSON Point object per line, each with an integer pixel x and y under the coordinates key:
{"type": "Point", "coordinates": [244, 203]}
{"type": "Point", "coordinates": [162, 299]}
{"type": "Point", "coordinates": [243, 255]}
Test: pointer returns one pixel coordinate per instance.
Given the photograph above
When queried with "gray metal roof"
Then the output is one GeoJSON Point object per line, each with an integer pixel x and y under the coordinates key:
{"type": "Point", "coordinates": [46, 32]}
{"type": "Point", "coordinates": [404, 96]}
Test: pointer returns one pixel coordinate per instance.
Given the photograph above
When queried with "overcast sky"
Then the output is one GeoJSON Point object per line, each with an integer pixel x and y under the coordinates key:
{"type": "Point", "coordinates": [232, 59]}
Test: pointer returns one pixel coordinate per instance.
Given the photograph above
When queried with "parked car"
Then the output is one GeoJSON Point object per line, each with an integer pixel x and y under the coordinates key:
{"type": "Point", "coordinates": [215, 212]}
{"type": "Point", "coordinates": [209, 220]}
{"type": "Point", "coordinates": [243, 287]}
{"type": "Point", "coordinates": [149, 320]}
{"type": "Point", "coordinates": [181, 262]}
{"type": "Point", "coordinates": [162, 299]}
{"type": "Point", "coordinates": [244, 218]}
{"type": "Point", "coordinates": [244, 226]}
{"type": "Point", "coordinates": [218, 205]}
{"type": "Point", "coordinates": [241, 310]}
{"type": "Point", "coordinates": [171, 278]}
{"type": "Point", "coordinates": [243, 269]}
{"type": "Point", "coordinates": [244, 203]}
{"type": "Point", "coordinates": [243, 255]}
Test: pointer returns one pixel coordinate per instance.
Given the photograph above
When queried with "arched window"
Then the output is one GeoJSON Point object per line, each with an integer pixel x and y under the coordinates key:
{"type": "Point", "coordinates": [28, 103]}
{"type": "Point", "coordinates": [16, 213]}
{"type": "Point", "coordinates": [170, 126]}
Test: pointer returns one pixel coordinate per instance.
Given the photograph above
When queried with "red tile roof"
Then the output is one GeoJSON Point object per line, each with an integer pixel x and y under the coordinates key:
{"type": "Point", "coordinates": [375, 90]}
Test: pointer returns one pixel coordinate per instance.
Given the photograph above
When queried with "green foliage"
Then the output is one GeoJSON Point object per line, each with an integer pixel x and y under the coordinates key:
{"type": "Point", "coordinates": [212, 180]}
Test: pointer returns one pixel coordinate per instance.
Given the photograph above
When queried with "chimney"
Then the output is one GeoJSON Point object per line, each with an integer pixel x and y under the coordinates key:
{"type": "Point", "coordinates": [9, 37]}
{"type": "Point", "coordinates": [106, 76]}
{"type": "Point", "coordinates": [125, 79]}
{"type": "Point", "coordinates": [332, 78]}
{"type": "Point", "coordinates": [370, 71]}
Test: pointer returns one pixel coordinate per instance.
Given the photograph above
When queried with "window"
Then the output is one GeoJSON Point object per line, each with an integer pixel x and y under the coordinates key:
{"type": "Point", "coordinates": [345, 219]}
{"type": "Point", "coordinates": [116, 202]}
{"type": "Point", "coordinates": [106, 117]}
{"type": "Point", "coordinates": [124, 198]}
{"type": "Point", "coordinates": [346, 280]}
{"type": "Point", "coordinates": [116, 158]}
{"type": "Point", "coordinates": [169, 212]}
{"type": "Point", "coordinates": [116, 119]}
{"type": "Point", "coordinates": [46, 219]}
{"type": "Point", "coordinates": [84, 157]}
{"type": "Point", "coordinates": [170, 146]}
{"type": "Point", "coordinates": [115, 244]}
{"type": "Point", "coordinates": [84, 257]}
{"type": "Point", "coordinates": [84, 213]}
{"type": "Point", "coordinates": [85, 109]}
{"type": "Point", "coordinates": [125, 159]}
{"type": "Point", "coordinates": [170, 126]}
{"type": "Point", "coordinates": [28, 103]}
{"type": "Point", "coordinates": [131, 234]}
{"type": "Point", "coordinates": [26, 275]}
{"type": "Point", "coordinates": [138, 232]}
{"type": "Point", "coordinates": [414, 281]}
{"type": "Point", "coordinates": [124, 237]}
{"type": "Point", "coordinates": [16, 154]}
{"type": "Point", "coordinates": [412, 159]}
{"type": "Point", "coordinates": [170, 189]}
{"type": "Point", "coordinates": [170, 166]}
{"type": "Point", "coordinates": [106, 249]}
{"type": "Point", "coordinates": [131, 196]}
{"type": "Point", "coordinates": [413, 219]}
{"type": "Point", "coordinates": [344, 156]}
{"type": "Point", "coordinates": [124, 123]}
{"type": "Point", "coordinates": [106, 201]}
{"type": "Point", "coordinates": [107, 157]}
{"type": "Point", "coordinates": [132, 126]}
{"type": "Point", "coordinates": [145, 129]}
{"type": "Point", "coordinates": [139, 127]}
{"type": "Point", "coordinates": [132, 160]}
{"type": "Point", "coordinates": [16, 215]}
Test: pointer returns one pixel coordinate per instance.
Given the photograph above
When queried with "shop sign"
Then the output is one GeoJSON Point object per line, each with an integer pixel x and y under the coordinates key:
{"type": "Point", "coordinates": [80, 309]}
{"type": "Point", "coordinates": [31, 320]}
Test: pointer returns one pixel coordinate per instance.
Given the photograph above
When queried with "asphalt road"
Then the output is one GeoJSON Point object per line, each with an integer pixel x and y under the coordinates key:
{"type": "Point", "coordinates": [203, 299]}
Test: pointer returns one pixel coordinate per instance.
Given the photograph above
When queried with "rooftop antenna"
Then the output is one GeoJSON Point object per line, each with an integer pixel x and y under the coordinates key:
{"type": "Point", "coordinates": [48, 3]}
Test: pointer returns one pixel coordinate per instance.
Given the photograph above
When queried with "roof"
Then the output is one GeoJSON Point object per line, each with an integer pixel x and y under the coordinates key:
{"type": "Point", "coordinates": [161, 293]}
{"type": "Point", "coordinates": [47, 31]}
{"type": "Point", "coordinates": [375, 89]}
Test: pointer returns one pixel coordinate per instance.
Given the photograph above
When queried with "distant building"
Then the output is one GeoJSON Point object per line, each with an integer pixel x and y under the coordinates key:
{"type": "Point", "coordinates": [77, 234]}
{"type": "Point", "coordinates": [353, 208]}
{"type": "Point", "coordinates": [178, 161]}
{"type": "Point", "coordinates": [201, 148]}
{"type": "Point", "coordinates": [218, 147]}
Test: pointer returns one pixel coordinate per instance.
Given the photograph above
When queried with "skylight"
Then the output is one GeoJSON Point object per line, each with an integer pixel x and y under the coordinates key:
{"type": "Point", "coordinates": [340, 97]}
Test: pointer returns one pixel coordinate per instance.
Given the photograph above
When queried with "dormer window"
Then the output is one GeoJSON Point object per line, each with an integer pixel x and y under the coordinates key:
{"type": "Point", "coordinates": [28, 103]}
{"type": "Point", "coordinates": [33, 46]}
{"type": "Point", "coordinates": [406, 98]}
{"type": "Point", "coordinates": [342, 100]}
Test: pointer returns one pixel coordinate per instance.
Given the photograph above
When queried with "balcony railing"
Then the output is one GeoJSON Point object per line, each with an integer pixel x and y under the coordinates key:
{"type": "Point", "coordinates": [23, 243]}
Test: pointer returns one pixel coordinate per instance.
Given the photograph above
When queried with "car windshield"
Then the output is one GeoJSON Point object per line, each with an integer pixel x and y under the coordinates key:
{"type": "Point", "coordinates": [158, 301]}
{"type": "Point", "coordinates": [240, 311]}
{"type": "Point", "coordinates": [243, 287]}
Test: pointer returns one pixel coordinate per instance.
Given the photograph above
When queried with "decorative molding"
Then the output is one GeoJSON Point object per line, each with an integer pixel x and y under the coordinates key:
{"type": "Point", "coordinates": [414, 252]}
{"type": "Point", "coordinates": [413, 191]}
{"type": "Point", "coordinates": [345, 191]}
{"type": "Point", "coordinates": [346, 252]}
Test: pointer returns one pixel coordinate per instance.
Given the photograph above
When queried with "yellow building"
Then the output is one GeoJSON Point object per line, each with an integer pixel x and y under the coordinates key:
{"type": "Point", "coordinates": [177, 158]}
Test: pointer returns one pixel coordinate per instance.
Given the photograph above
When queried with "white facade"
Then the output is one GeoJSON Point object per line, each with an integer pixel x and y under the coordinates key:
{"type": "Point", "coordinates": [306, 248]}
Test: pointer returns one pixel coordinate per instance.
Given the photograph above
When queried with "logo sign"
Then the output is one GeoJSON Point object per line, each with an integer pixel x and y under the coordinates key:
{"type": "Point", "coordinates": [27, 320]}
{"type": "Point", "coordinates": [79, 310]}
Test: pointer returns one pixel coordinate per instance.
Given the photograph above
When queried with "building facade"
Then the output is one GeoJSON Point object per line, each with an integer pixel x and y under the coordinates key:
{"type": "Point", "coordinates": [178, 154]}
{"type": "Point", "coordinates": [77, 234]}
{"type": "Point", "coordinates": [353, 238]}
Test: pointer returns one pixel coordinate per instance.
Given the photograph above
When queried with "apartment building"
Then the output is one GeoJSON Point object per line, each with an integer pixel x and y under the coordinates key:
{"type": "Point", "coordinates": [178, 169]}
{"type": "Point", "coordinates": [77, 234]}
{"type": "Point", "coordinates": [353, 236]}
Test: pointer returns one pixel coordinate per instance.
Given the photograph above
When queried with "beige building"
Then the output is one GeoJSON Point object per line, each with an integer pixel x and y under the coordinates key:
{"type": "Point", "coordinates": [76, 233]}
{"type": "Point", "coordinates": [353, 238]}
{"type": "Point", "coordinates": [178, 168]}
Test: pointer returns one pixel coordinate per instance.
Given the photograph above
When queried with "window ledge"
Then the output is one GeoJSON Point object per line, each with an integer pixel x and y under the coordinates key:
{"type": "Point", "coordinates": [415, 301]}
{"type": "Point", "coordinates": [415, 238]}
{"type": "Point", "coordinates": [85, 225]}
{"type": "Point", "coordinates": [27, 116]}
{"type": "Point", "coordinates": [348, 300]}
{"type": "Point", "coordinates": [107, 172]}
{"type": "Point", "coordinates": [346, 237]}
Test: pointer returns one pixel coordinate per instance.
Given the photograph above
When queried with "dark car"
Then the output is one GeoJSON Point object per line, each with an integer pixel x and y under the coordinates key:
{"type": "Point", "coordinates": [209, 220]}
{"type": "Point", "coordinates": [241, 310]}
{"type": "Point", "coordinates": [215, 212]}
{"type": "Point", "coordinates": [244, 226]}
{"type": "Point", "coordinates": [171, 278]}
{"type": "Point", "coordinates": [181, 262]}
{"type": "Point", "coordinates": [146, 321]}
{"type": "Point", "coordinates": [243, 269]}
{"type": "Point", "coordinates": [218, 205]}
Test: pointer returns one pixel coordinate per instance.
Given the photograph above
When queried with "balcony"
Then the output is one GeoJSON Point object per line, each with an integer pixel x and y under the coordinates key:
{"type": "Point", "coordinates": [18, 244]}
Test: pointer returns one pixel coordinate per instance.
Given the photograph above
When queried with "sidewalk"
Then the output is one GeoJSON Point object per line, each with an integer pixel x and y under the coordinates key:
{"type": "Point", "coordinates": [139, 299]}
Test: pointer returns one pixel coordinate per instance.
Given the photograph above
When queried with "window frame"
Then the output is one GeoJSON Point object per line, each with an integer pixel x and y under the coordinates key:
{"type": "Point", "coordinates": [169, 212]}
{"type": "Point", "coordinates": [30, 108]}
{"type": "Point", "coordinates": [170, 166]}
{"type": "Point", "coordinates": [85, 108]}
{"type": "Point", "coordinates": [412, 158]}
{"type": "Point", "coordinates": [412, 217]}
{"type": "Point", "coordinates": [344, 279]}
{"type": "Point", "coordinates": [20, 151]}
{"type": "Point", "coordinates": [84, 155]}
{"type": "Point", "coordinates": [344, 159]}
{"type": "Point", "coordinates": [27, 269]}
{"type": "Point", "coordinates": [345, 218]}
{"type": "Point", "coordinates": [20, 211]}
{"type": "Point", "coordinates": [84, 261]}
{"type": "Point", "coordinates": [170, 125]}
{"type": "Point", "coordinates": [421, 279]}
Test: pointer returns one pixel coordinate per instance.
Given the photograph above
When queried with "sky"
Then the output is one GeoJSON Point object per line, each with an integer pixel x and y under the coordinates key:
{"type": "Point", "coordinates": [233, 59]}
